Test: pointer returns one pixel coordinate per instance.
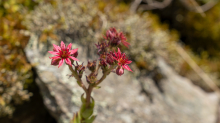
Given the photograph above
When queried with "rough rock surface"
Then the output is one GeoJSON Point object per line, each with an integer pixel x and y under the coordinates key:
{"type": "Point", "coordinates": [163, 97]}
{"type": "Point", "coordinates": [174, 100]}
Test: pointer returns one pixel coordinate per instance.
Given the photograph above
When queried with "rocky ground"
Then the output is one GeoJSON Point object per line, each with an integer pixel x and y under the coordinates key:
{"type": "Point", "coordinates": [161, 96]}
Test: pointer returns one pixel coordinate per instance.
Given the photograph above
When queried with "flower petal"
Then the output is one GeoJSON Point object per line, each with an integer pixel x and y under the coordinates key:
{"type": "Point", "coordinates": [62, 45]}
{"type": "Point", "coordinates": [127, 67]}
{"type": "Point", "coordinates": [119, 52]}
{"type": "Point", "coordinates": [73, 58]}
{"type": "Point", "coordinates": [57, 48]}
{"type": "Point", "coordinates": [55, 57]}
{"type": "Point", "coordinates": [73, 51]}
{"type": "Point", "coordinates": [115, 58]}
{"type": "Point", "coordinates": [128, 62]}
{"type": "Point", "coordinates": [61, 62]}
{"type": "Point", "coordinates": [55, 62]}
{"type": "Point", "coordinates": [54, 53]}
{"type": "Point", "coordinates": [69, 46]}
{"type": "Point", "coordinates": [125, 43]}
{"type": "Point", "coordinates": [67, 60]}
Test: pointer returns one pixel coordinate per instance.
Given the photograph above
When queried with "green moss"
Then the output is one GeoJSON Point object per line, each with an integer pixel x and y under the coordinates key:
{"type": "Point", "coordinates": [202, 35]}
{"type": "Point", "coordinates": [15, 71]}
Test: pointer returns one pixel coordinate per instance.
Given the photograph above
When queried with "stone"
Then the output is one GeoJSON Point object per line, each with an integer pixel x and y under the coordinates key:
{"type": "Point", "coordinates": [179, 101]}
{"type": "Point", "coordinates": [162, 96]}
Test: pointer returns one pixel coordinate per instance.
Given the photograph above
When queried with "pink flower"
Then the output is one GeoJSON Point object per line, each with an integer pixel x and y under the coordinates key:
{"type": "Point", "coordinates": [116, 38]}
{"type": "Point", "coordinates": [63, 53]}
{"type": "Point", "coordinates": [122, 60]}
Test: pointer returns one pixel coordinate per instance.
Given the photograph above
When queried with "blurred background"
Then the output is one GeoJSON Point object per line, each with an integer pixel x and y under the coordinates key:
{"type": "Point", "coordinates": [175, 49]}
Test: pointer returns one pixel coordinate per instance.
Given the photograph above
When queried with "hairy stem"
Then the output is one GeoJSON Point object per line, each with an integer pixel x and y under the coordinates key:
{"type": "Point", "coordinates": [105, 75]}
{"type": "Point", "coordinates": [88, 95]}
{"type": "Point", "coordinates": [97, 69]}
{"type": "Point", "coordinates": [79, 81]}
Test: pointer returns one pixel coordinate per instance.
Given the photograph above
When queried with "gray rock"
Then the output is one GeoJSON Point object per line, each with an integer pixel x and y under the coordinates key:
{"type": "Point", "coordinates": [177, 100]}
{"type": "Point", "coordinates": [162, 96]}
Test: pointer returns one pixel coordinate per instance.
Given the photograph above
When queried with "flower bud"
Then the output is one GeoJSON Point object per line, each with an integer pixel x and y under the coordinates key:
{"type": "Point", "coordinates": [103, 55]}
{"type": "Point", "coordinates": [110, 33]}
{"type": "Point", "coordinates": [55, 62]}
{"type": "Point", "coordinates": [91, 65]}
{"type": "Point", "coordinates": [75, 54]}
{"type": "Point", "coordinates": [115, 38]}
{"type": "Point", "coordinates": [103, 63]}
{"type": "Point", "coordinates": [119, 70]}
{"type": "Point", "coordinates": [102, 47]}
{"type": "Point", "coordinates": [110, 60]}
{"type": "Point", "coordinates": [80, 69]}
{"type": "Point", "coordinates": [92, 78]}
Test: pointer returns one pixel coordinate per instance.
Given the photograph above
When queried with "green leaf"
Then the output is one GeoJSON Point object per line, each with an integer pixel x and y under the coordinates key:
{"type": "Point", "coordinates": [87, 113]}
{"type": "Point", "coordinates": [83, 99]}
{"type": "Point", "coordinates": [93, 103]}
{"type": "Point", "coordinates": [74, 119]}
{"type": "Point", "coordinates": [79, 117]}
{"type": "Point", "coordinates": [90, 120]}
{"type": "Point", "coordinates": [97, 87]}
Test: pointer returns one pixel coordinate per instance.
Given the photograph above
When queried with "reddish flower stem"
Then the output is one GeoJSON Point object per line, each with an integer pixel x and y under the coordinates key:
{"type": "Point", "coordinates": [89, 90]}
{"type": "Point", "coordinates": [105, 75]}
{"type": "Point", "coordinates": [97, 69]}
{"type": "Point", "coordinates": [88, 95]}
{"type": "Point", "coordinates": [79, 81]}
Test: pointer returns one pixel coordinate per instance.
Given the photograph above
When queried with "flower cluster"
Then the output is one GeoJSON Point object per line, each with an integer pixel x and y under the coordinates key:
{"type": "Point", "coordinates": [109, 61]}
{"type": "Point", "coordinates": [107, 56]}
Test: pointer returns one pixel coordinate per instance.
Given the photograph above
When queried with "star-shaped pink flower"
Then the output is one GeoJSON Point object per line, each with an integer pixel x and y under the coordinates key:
{"type": "Point", "coordinates": [63, 53]}
{"type": "Point", "coordinates": [122, 60]}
